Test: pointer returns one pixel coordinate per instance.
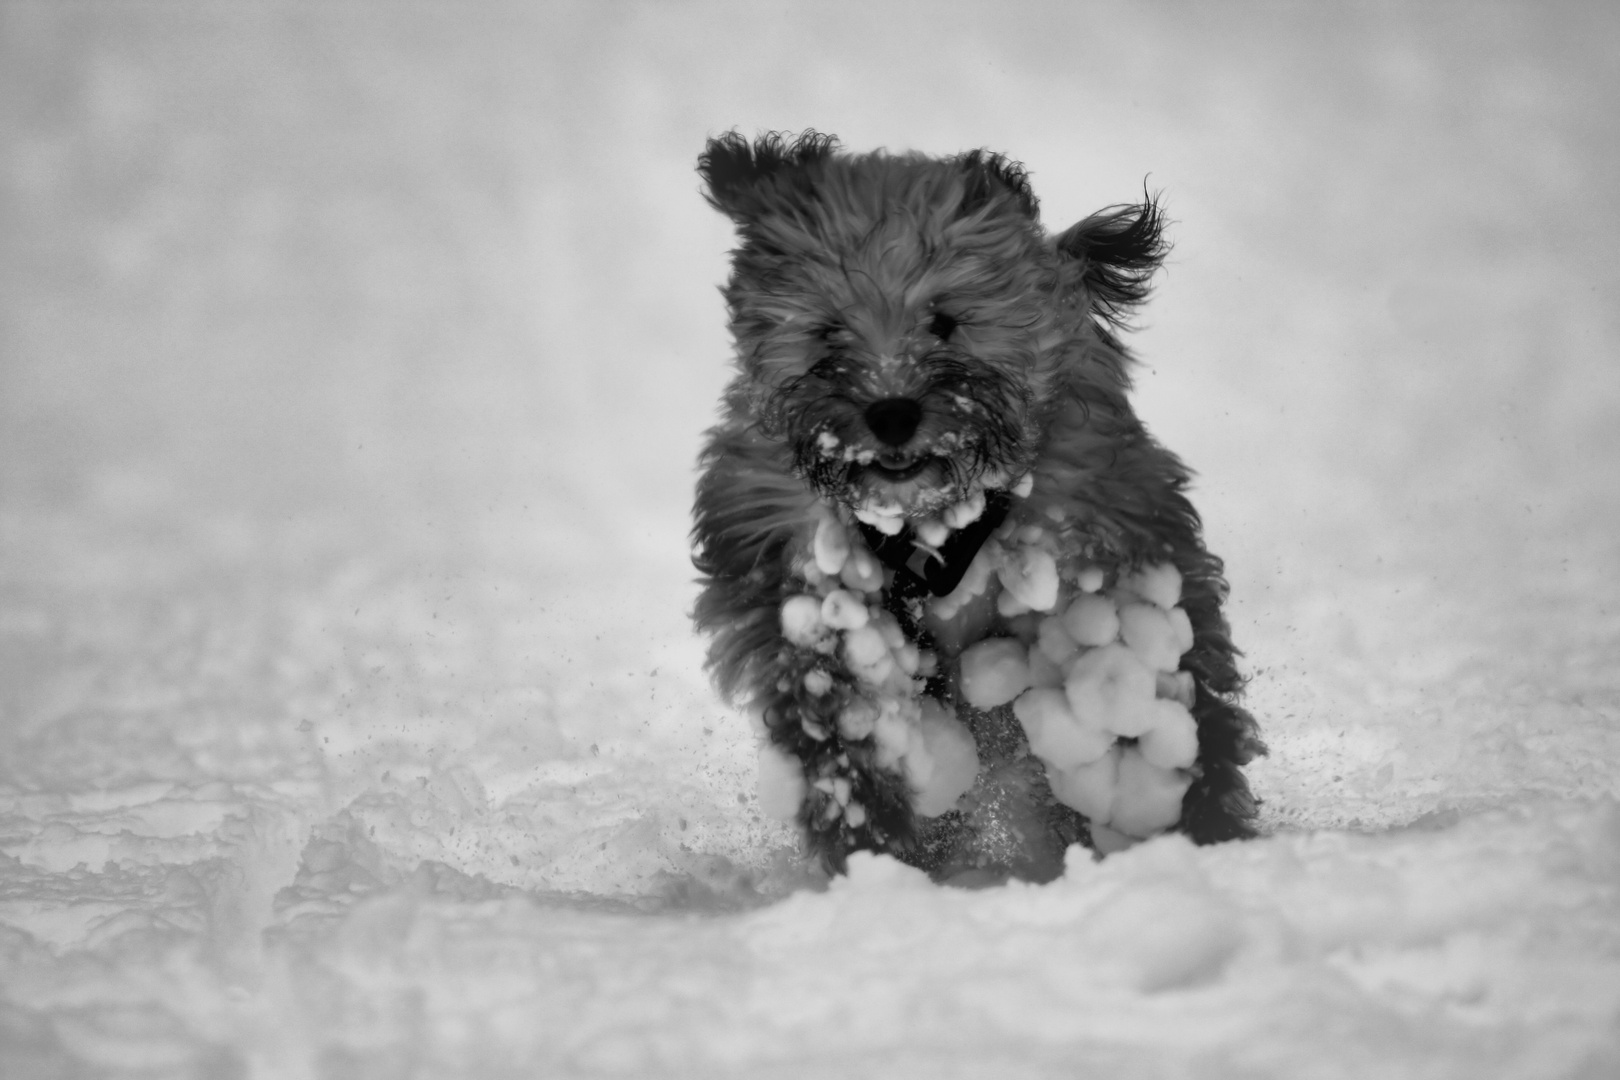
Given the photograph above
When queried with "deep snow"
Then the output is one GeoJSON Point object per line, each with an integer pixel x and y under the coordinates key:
{"type": "Point", "coordinates": [354, 360]}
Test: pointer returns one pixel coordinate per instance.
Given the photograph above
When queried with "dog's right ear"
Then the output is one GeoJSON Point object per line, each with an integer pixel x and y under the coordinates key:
{"type": "Point", "coordinates": [742, 177]}
{"type": "Point", "coordinates": [1114, 253]}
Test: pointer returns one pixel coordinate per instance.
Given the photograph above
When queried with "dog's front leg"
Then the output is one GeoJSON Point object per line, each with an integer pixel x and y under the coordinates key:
{"type": "Point", "coordinates": [831, 681]}
{"type": "Point", "coordinates": [825, 764]}
{"type": "Point", "coordinates": [848, 704]}
{"type": "Point", "coordinates": [796, 603]}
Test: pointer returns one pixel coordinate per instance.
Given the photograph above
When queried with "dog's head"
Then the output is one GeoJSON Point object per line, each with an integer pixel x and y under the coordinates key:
{"type": "Point", "coordinates": [902, 321]}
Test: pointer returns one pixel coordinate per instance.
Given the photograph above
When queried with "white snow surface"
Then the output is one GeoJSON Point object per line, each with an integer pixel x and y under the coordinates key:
{"type": "Point", "coordinates": [354, 364]}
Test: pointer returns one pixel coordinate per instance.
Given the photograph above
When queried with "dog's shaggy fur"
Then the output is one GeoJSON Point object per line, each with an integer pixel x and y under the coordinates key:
{"type": "Point", "coordinates": [908, 336]}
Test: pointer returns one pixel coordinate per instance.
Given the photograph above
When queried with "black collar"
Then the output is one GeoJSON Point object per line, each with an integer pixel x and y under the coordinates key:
{"type": "Point", "coordinates": [939, 572]}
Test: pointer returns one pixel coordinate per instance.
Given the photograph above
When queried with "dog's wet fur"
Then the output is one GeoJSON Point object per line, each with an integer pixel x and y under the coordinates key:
{"type": "Point", "coordinates": [907, 331]}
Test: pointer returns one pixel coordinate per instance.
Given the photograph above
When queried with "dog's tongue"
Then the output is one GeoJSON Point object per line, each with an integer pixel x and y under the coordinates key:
{"type": "Point", "coordinates": [938, 573]}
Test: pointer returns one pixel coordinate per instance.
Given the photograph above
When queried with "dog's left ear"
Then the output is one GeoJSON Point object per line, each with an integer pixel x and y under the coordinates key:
{"type": "Point", "coordinates": [744, 178]}
{"type": "Point", "coordinates": [1114, 254]}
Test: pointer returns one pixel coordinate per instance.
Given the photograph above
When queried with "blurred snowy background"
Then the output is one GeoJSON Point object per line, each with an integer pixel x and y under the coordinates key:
{"type": "Point", "coordinates": [353, 362]}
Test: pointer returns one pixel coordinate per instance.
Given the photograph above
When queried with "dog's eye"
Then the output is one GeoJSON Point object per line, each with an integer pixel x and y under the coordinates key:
{"type": "Point", "coordinates": [941, 325]}
{"type": "Point", "coordinates": [832, 340]}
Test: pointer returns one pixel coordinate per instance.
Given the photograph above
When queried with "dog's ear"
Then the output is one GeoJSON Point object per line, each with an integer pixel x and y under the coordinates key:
{"type": "Point", "coordinates": [987, 175]}
{"type": "Point", "coordinates": [1115, 252]}
{"type": "Point", "coordinates": [743, 177]}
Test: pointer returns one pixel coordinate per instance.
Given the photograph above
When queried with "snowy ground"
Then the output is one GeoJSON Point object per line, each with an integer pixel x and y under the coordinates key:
{"type": "Point", "coordinates": [354, 359]}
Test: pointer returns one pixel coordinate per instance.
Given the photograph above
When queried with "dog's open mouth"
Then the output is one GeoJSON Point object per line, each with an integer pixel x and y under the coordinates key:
{"type": "Point", "coordinates": [897, 467]}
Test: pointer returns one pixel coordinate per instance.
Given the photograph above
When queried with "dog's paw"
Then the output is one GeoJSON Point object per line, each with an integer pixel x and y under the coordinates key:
{"type": "Point", "coordinates": [1100, 699]}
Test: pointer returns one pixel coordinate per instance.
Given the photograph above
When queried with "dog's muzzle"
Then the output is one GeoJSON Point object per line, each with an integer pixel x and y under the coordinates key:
{"type": "Point", "coordinates": [894, 420]}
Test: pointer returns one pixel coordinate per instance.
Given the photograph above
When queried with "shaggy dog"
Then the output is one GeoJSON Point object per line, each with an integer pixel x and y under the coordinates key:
{"type": "Point", "coordinates": [943, 562]}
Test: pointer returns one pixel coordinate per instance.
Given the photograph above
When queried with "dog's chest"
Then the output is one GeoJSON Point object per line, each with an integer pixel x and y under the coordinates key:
{"type": "Point", "coordinates": [967, 624]}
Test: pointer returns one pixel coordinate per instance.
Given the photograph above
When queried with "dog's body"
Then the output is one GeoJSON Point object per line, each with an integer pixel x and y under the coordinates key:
{"type": "Point", "coordinates": [926, 493]}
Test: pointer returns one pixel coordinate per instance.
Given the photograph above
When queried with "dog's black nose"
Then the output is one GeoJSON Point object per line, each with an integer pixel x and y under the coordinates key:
{"type": "Point", "coordinates": [894, 420]}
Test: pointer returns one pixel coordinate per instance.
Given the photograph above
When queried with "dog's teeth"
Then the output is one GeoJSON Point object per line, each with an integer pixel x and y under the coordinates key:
{"type": "Point", "coordinates": [886, 507]}
{"type": "Point", "coordinates": [932, 532]}
{"type": "Point", "coordinates": [889, 524]}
